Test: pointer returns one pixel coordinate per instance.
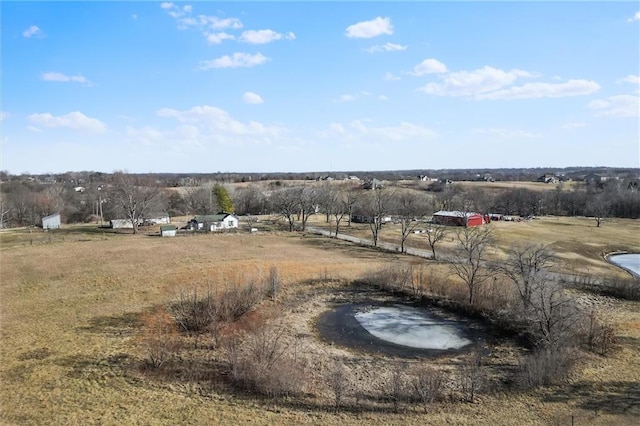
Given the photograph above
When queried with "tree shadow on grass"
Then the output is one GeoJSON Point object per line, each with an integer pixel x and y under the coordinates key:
{"type": "Point", "coordinates": [125, 324]}
{"type": "Point", "coordinates": [345, 247]}
{"type": "Point", "coordinates": [608, 397]}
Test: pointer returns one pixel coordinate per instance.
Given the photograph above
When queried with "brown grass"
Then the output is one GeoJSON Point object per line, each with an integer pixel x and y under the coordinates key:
{"type": "Point", "coordinates": [71, 310]}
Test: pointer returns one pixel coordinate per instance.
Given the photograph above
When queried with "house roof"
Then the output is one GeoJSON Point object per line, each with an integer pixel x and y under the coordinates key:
{"type": "Point", "coordinates": [51, 216]}
{"type": "Point", "coordinates": [212, 217]}
{"type": "Point", "coordinates": [168, 228]}
{"type": "Point", "coordinates": [455, 214]}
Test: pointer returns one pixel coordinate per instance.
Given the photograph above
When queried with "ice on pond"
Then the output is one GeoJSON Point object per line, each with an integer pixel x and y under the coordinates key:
{"type": "Point", "coordinates": [412, 327]}
{"type": "Point", "coordinates": [629, 261]}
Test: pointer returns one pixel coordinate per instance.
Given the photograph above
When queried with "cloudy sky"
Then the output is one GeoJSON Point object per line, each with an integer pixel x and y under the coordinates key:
{"type": "Point", "coordinates": [322, 86]}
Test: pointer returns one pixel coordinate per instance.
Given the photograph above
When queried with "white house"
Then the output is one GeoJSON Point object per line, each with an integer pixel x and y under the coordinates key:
{"type": "Point", "coordinates": [51, 221]}
{"type": "Point", "coordinates": [121, 224]}
{"type": "Point", "coordinates": [157, 218]}
{"type": "Point", "coordinates": [214, 222]}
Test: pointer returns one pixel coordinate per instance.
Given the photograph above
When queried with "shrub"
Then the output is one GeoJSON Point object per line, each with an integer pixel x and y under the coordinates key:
{"type": "Point", "coordinates": [262, 361]}
{"type": "Point", "coordinates": [159, 338]}
{"type": "Point", "coordinates": [427, 385]}
{"type": "Point", "coordinates": [546, 366]}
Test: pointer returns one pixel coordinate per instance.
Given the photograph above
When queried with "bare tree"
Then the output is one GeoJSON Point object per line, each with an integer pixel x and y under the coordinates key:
{"type": "Point", "coordinates": [197, 200]}
{"type": "Point", "coordinates": [286, 204]}
{"type": "Point", "coordinates": [427, 385]}
{"type": "Point", "coordinates": [135, 196]}
{"type": "Point", "coordinates": [309, 198]}
{"type": "Point", "coordinates": [468, 262]}
{"type": "Point", "coordinates": [471, 375]}
{"type": "Point", "coordinates": [349, 202]}
{"type": "Point", "coordinates": [338, 381]}
{"type": "Point", "coordinates": [410, 208]}
{"type": "Point", "coordinates": [556, 316]}
{"type": "Point", "coordinates": [599, 207]}
{"type": "Point", "coordinates": [435, 234]}
{"type": "Point", "coordinates": [376, 207]}
{"type": "Point", "coordinates": [527, 267]}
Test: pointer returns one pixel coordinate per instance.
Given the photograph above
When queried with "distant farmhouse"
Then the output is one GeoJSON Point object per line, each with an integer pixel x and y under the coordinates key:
{"type": "Point", "coordinates": [157, 219]}
{"type": "Point", "coordinates": [549, 178]}
{"type": "Point", "coordinates": [458, 218]}
{"type": "Point", "coordinates": [213, 222]}
{"type": "Point", "coordinates": [372, 184]}
{"type": "Point", "coordinates": [51, 221]}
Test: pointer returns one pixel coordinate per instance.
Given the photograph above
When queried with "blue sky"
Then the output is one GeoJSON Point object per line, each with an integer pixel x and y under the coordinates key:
{"type": "Point", "coordinates": [318, 86]}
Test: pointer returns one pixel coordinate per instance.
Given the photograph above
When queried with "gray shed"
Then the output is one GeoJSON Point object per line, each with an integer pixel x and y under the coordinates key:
{"type": "Point", "coordinates": [51, 221]}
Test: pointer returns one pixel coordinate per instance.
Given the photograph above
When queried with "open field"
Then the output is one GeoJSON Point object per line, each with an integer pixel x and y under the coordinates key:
{"type": "Point", "coordinates": [71, 303]}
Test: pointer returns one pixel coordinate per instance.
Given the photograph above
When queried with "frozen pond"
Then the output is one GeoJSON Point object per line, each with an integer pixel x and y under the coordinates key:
{"type": "Point", "coordinates": [398, 329]}
{"type": "Point", "coordinates": [412, 327]}
{"type": "Point", "coordinates": [629, 261]}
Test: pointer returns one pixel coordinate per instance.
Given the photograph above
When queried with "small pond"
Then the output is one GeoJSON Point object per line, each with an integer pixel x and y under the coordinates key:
{"type": "Point", "coordinates": [397, 329]}
{"type": "Point", "coordinates": [628, 261]}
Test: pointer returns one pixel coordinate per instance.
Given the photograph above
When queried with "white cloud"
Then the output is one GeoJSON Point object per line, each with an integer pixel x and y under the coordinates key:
{"type": "Point", "coordinates": [617, 106]}
{"type": "Point", "coordinates": [403, 131]}
{"type": "Point", "coordinates": [390, 76]}
{"type": "Point", "coordinates": [264, 36]}
{"type": "Point", "coordinates": [369, 29]}
{"type": "Point", "coordinates": [506, 133]}
{"type": "Point", "coordinates": [471, 83]}
{"type": "Point", "coordinates": [429, 66]}
{"type": "Point", "coordinates": [145, 135]}
{"type": "Point", "coordinates": [4, 115]}
{"type": "Point", "coordinates": [544, 90]}
{"type": "Point", "coordinates": [204, 23]}
{"type": "Point", "coordinates": [237, 60]}
{"type": "Point", "coordinates": [387, 47]}
{"type": "Point", "coordinates": [574, 125]}
{"type": "Point", "coordinates": [635, 17]}
{"type": "Point", "coordinates": [59, 77]}
{"type": "Point", "coordinates": [74, 120]}
{"type": "Point", "coordinates": [211, 124]}
{"type": "Point", "coordinates": [33, 31]}
{"type": "Point", "coordinates": [217, 38]}
{"type": "Point", "coordinates": [252, 98]}
{"type": "Point", "coordinates": [633, 79]}
{"type": "Point", "coordinates": [346, 98]}
{"type": "Point", "coordinates": [383, 98]}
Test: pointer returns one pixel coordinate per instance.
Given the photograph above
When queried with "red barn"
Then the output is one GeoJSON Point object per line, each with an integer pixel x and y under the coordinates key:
{"type": "Point", "coordinates": [457, 218]}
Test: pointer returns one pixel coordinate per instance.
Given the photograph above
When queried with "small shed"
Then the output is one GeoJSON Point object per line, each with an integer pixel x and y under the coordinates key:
{"type": "Point", "coordinates": [51, 221]}
{"type": "Point", "coordinates": [168, 231]}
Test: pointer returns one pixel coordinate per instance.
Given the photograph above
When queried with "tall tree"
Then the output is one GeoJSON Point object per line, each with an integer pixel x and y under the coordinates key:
{"type": "Point", "coordinates": [376, 206]}
{"type": "Point", "coordinates": [411, 208]}
{"type": "Point", "coordinates": [435, 234]}
{"type": "Point", "coordinates": [135, 196]}
{"type": "Point", "coordinates": [471, 254]}
{"type": "Point", "coordinates": [223, 198]}
{"type": "Point", "coordinates": [527, 268]}
{"type": "Point", "coordinates": [286, 204]}
{"type": "Point", "coordinates": [598, 206]}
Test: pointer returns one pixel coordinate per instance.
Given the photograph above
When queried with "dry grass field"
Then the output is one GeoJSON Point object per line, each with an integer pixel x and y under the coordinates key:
{"type": "Point", "coordinates": [71, 305]}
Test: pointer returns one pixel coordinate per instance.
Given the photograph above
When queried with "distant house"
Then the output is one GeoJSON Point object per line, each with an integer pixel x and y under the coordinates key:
{"type": "Point", "coordinates": [51, 221]}
{"type": "Point", "coordinates": [168, 231]}
{"type": "Point", "coordinates": [121, 224]}
{"type": "Point", "coordinates": [157, 219]}
{"type": "Point", "coordinates": [458, 218]}
{"type": "Point", "coordinates": [549, 178]}
{"type": "Point", "coordinates": [213, 222]}
{"type": "Point", "coordinates": [373, 184]}
{"type": "Point", "coordinates": [592, 178]}
{"type": "Point", "coordinates": [359, 217]}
